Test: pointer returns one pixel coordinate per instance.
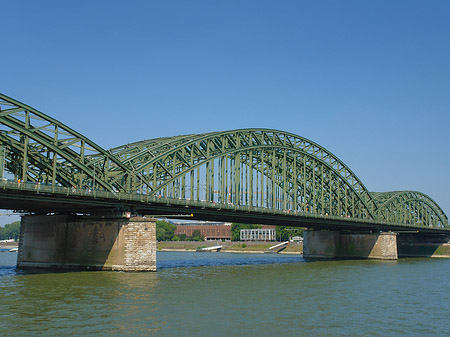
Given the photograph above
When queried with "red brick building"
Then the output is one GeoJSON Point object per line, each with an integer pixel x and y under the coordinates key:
{"type": "Point", "coordinates": [209, 230]}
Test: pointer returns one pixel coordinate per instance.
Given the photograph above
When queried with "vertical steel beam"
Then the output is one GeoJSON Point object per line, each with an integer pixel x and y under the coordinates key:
{"type": "Point", "coordinates": [54, 157]}
{"type": "Point", "coordinates": [25, 148]}
{"type": "Point", "coordinates": [339, 196]}
{"type": "Point", "coordinates": [322, 190]}
{"type": "Point", "coordinates": [314, 198]}
{"type": "Point", "coordinates": [2, 162]}
{"type": "Point", "coordinates": [212, 180]}
{"type": "Point", "coordinates": [191, 179]}
{"type": "Point", "coordinates": [273, 179]}
{"type": "Point", "coordinates": [353, 201]}
{"type": "Point", "coordinates": [227, 188]}
{"type": "Point", "coordinates": [285, 183]}
{"type": "Point", "coordinates": [237, 176]}
{"type": "Point", "coordinates": [345, 200]}
{"type": "Point", "coordinates": [250, 183]}
{"type": "Point", "coordinates": [198, 183]}
{"type": "Point", "coordinates": [154, 176]}
{"type": "Point", "coordinates": [295, 192]}
{"type": "Point", "coordinates": [331, 193]}
{"type": "Point", "coordinates": [304, 207]}
{"type": "Point", "coordinates": [262, 177]}
{"type": "Point", "coordinates": [208, 173]}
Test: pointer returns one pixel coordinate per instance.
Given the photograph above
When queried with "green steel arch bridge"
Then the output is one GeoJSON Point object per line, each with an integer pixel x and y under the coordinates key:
{"type": "Point", "coordinates": [247, 175]}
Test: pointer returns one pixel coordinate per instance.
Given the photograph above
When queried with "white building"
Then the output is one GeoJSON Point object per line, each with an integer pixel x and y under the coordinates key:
{"type": "Point", "coordinates": [259, 234]}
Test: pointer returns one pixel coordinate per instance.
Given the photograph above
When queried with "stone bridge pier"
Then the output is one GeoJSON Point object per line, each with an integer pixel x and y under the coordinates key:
{"type": "Point", "coordinates": [338, 245]}
{"type": "Point", "coordinates": [328, 244]}
{"type": "Point", "coordinates": [87, 242]}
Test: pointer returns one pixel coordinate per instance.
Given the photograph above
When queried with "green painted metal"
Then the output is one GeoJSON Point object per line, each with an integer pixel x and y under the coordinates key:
{"type": "Point", "coordinates": [42, 149]}
{"type": "Point", "coordinates": [169, 167]}
{"type": "Point", "coordinates": [251, 168]}
{"type": "Point", "coordinates": [410, 207]}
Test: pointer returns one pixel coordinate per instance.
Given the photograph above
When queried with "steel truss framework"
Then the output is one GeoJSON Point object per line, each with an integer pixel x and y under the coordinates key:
{"type": "Point", "coordinates": [259, 168]}
{"type": "Point", "coordinates": [409, 207]}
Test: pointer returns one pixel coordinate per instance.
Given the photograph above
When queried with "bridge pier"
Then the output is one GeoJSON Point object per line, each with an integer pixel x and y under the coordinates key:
{"type": "Point", "coordinates": [423, 245]}
{"type": "Point", "coordinates": [87, 242]}
{"type": "Point", "coordinates": [335, 245]}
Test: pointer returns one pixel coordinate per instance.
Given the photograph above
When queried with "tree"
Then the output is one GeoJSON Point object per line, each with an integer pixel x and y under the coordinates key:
{"type": "Point", "coordinates": [10, 231]}
{"type": "Point", "coordinates": [164, 230]}
{"type": "Point", "coordinates": [284, 233]}
{"type": "Point", "coordinates": [197, 235]}
{"type": "Point", "coordinates": [236, 230]}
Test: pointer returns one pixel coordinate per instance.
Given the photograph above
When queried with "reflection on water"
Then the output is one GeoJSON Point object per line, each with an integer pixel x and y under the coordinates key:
{"type": "Point", "coordinates": [219, 294]}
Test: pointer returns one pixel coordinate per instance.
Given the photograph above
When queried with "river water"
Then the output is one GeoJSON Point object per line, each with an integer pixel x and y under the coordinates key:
{"type": "Point", "coordinates": [225, 294]}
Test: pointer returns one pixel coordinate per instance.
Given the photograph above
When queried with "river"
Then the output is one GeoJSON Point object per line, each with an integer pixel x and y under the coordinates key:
{"type": "Point", "coordinates": [226, 294]}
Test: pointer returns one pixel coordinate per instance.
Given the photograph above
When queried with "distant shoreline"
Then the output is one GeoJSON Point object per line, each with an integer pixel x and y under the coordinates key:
{"type": "Point", "coordinates": [192, 246]}
{"type": "Point", "coordinates": [9, 245]}
{"type": "Point", "coordinates": [228, 247]}
{"type": "Point", "coordinates": [227, 251]}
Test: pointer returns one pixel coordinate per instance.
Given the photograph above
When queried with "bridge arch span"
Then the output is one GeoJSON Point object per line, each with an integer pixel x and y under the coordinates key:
{"type": "Point", "coordinates": [38, 148]}
{"type": "Point", "coordinates": [410, 207]}
{"type": "Point", "coordinates": [248, 167]}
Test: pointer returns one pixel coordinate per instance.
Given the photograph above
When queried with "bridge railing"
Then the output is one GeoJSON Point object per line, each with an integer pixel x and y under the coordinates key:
{"type": "Point", "coordinates": [107, 195]}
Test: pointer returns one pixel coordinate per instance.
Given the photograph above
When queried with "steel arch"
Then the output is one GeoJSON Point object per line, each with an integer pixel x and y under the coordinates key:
{"type": "Point", "coordinates": [39, 148]}
{"type": "Point", "coordinates": [410, 207]}
{"type": "Point", "coordinates": [165, 161]}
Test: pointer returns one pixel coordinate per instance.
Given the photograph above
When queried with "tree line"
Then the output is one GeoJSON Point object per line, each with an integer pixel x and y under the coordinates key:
{"type": "Point", "coordinates": [10, 231]}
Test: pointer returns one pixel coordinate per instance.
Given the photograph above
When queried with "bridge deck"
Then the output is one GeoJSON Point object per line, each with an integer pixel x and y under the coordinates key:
{"type": "Point", "coordinates": [52, 199]}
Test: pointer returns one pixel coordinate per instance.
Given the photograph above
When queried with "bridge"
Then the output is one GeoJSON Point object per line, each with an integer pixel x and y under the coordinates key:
{"type": "Point", "coordinates": [259, 176]}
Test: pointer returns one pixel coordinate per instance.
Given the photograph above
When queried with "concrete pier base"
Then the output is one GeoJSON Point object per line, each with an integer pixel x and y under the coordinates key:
{"type": "Point", "coordinates": [337, 245]}
{"type": "Point", "coordinates": [84, 242]}
{"type": "Point", "coordinates": [422, 245]}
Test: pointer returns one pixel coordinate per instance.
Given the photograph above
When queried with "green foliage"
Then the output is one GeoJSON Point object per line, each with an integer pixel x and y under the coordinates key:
{"type": "Point", "coordinates": [164, 230]}
{"type": "Point", "coordinates": [10, 231]}
{"type": "Point", "coordinates": [196, 236]}
{"type": "Point", "coordinates": [284, 233]}
{"type": "Point", "coordinates": [236, 230]}
{"type": "Point", "coordinates": [244, 245]}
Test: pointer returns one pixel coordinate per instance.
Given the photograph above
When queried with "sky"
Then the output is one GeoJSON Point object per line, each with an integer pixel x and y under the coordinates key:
{"type": "Point", "coordinates": [367, 80]}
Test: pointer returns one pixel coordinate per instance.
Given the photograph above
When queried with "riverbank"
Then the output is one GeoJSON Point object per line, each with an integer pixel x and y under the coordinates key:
{"type": "Point", "coordinates": [8, 245]}
{"type": "Point", "coordinates": [228, 247]}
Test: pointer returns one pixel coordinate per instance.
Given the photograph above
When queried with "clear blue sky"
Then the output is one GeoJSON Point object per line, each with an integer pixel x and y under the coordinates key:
{"type": "Point", "coordinates": [368, 80]}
